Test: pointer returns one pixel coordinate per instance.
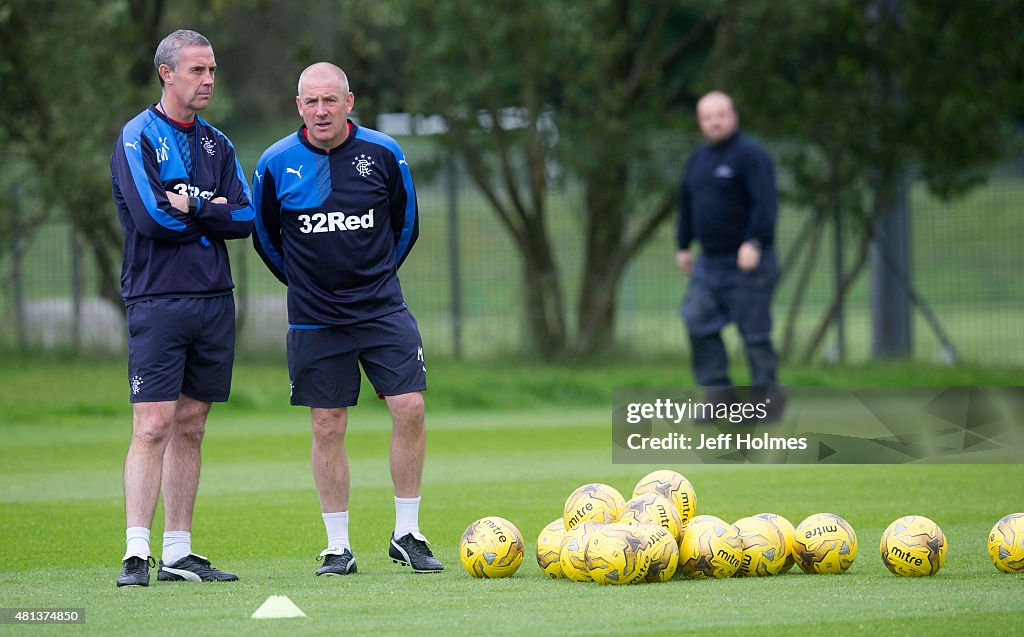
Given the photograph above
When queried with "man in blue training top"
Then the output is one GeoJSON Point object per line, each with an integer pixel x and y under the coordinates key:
{"type": "Point", "coordinates": [728, 202]}
{"type": "Point", "coordinates": [335, 218]}
{"type": "Point", "coordinates": [180, 194]}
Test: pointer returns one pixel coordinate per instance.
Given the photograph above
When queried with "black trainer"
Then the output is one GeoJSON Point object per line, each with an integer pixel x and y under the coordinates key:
{"type": "Point", "coordinates": [336, 563]}
{"type": "Point", "coordinates": [412, 550]}
{"type": "Point", "coordinates": [194, 568]}
{"type": "Point", "coordinates": [135, 571]}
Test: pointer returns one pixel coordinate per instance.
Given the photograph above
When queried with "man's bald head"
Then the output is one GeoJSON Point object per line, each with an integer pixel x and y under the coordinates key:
{"type": "Point", "coordinates": [715, 99]}
{"type": "Point", "coordinates": [717, 117]}
{"type": "Point", "coordinates": [324, 102]}
{"type": "Point", "coordinates": [324, 71]}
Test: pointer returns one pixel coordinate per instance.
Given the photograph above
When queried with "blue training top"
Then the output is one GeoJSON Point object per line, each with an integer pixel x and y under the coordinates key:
{"type": "Point", "coordinates": [727, 196]}
{"type": "Point", "coordinates": [335, 226]}
{"type": "Point", "coordinates": [169, 253]}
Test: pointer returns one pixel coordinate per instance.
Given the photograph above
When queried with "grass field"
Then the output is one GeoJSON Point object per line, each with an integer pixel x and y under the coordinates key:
{"type": "Point", "coordinates": [508, 442]}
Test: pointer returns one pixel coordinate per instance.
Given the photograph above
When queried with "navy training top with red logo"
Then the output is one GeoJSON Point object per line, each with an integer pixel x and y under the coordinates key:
{"type": "Point", "coordinates": [169, 253]}
{"type": "Point", "coordinates": [335, 226]}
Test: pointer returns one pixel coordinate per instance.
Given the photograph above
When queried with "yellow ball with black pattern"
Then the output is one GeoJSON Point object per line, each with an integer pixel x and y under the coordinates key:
{"type": "Point", "coordinates": [824, 543]}
{"type": "Point", "coordinates": [573, 557]}
{"type": "Point", "coordinates": [709, 549]}
{"type": "Point", "coordinates": [700, 519]}
{"type": "Point", "coordinates": [618, 553]}
{"type": "Point", "coordinates": [594, 502]}
{"type": "Point", "coordinates": [764, 547]}
{"type": "Point", "coordinates": [787, 530]}
{"type": "Point", "coordinates": [1006, 544]}
{"type": "Point", "coordinates": [664, 551]}
{"type": "Point", "coordinates": [653, 508]}
{"type": "Point", "coordinates": [672, 486]}
{"type": "Point", "coordinates": [913, 546]}
{"type": "Point", "coordinates": [549, 549]}
{"type": "Point", "coordinates": [491, 547]}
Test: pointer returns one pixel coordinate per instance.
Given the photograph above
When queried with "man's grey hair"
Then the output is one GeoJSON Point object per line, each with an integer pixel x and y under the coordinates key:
{"type": "Point", "coordinates": [169, 49]}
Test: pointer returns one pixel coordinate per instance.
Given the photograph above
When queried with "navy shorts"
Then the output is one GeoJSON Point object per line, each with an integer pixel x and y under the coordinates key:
{"type": "Point", "coordinates": [181, 346]}
{"type": "Point", "coordinates": [323, 364]}
{"type": "Point", "coordinates": [720, 293]}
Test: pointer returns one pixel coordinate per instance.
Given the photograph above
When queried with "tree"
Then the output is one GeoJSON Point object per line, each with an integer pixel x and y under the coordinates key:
{"type": "Point", "coordinates": [870, 90]}
{"type": "Point", "coordinates": [59, 91]}
{"type": "Point", "coordinates": [583, 87]}
{"type": "Point", "coordinates": [270, 43]}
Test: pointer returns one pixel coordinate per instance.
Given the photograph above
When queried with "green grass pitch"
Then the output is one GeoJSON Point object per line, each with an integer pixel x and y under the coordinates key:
{"type": "Point", "coordinates": [64, 431]}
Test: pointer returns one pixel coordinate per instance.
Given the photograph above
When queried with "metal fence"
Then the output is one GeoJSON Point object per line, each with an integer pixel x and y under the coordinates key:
{"type": "Point", "coordinates": [462, 280]}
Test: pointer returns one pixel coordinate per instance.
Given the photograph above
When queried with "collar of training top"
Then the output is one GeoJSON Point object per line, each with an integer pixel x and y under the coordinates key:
{"type": "Point", "coordinates": [181, 126]}
{"type": "Point", "coordinates": [728, 140]}
{"type": "Point", "coordinates": [303, 134]}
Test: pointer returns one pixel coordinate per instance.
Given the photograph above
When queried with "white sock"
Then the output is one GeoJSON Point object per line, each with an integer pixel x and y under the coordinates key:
{"type": "Point", "coordinates": [138, 542]}
{"type": "Point", "coordinates": [407, 517]}
{"type": "Point", "coordinates": [337, 529]}
{"type": "Point", "coordinates": [177, 544]}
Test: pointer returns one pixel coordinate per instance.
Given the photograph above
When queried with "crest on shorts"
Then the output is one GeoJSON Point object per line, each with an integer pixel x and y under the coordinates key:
{"type": "Point", "coordinates": [136, 385]}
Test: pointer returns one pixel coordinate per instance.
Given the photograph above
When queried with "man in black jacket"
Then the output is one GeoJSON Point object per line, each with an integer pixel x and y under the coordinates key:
{"type": "Point", "coordinates": [728, 202]}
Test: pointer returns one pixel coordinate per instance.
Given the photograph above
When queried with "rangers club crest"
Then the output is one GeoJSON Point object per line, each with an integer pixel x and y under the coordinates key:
{"type": "Point", "coordinates": [363, 165]}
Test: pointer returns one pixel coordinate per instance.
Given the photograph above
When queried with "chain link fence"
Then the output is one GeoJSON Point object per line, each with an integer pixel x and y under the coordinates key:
{"type": "Point", "coordinates": [463, 279]}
